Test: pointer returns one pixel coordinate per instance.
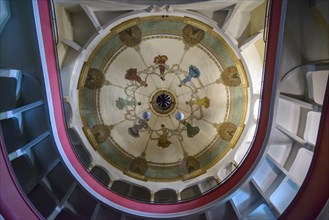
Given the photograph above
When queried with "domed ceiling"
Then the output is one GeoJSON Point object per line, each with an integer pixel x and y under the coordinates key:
{"type": "Point", "coordinates": [163, 98]}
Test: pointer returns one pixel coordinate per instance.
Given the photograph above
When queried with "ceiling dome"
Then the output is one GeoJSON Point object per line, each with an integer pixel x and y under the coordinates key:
{"type": "Point", "coordinates": [163, 98]}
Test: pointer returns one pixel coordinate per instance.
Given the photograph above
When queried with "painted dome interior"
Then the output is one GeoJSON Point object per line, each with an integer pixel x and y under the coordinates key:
{"type": "Point", "coordinates": [163, 109]}
{"type": "Point", "coordinates": [163, 99]}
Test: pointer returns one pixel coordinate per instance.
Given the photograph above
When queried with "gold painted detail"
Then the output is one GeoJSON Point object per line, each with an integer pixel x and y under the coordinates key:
{"type": "Point", "coordinates": [194, 174]}
{"type": "Point", "coordinates": [90, 138]}
{"type": "Point", "coordinates": [236, 135]}
{"type": "Point", "coordinates": [191, 164]}
{"type": "Point", "coordinates": [139, 165]}
{"type": "Point", "coordinates": [163, 138]}
{"type": "Point", "coordinates": [131, 36]}
{"type": "Point", "coordinates": [135, 175]}
{"type": "Point", "coordinates": [101, 132]}
{"type": "Point", "coordinates": [95, 79]}
{"type": "Point", "coordinates": [192, 36]}
{"type": "Point", "coordinates": [226, 130]}
{"type": "Point", "coordinates": [205, 102]}
{"type": "Point", "coordinates": [124, 25]}
{"type": "Point", "coordinates": [83, 75]}
{"type": "Point", "coordinates": [244, 80]}
{"type": "Point", "coordinates": [196, 23]}
{"type": "Point", "coordinates": [230, 77]}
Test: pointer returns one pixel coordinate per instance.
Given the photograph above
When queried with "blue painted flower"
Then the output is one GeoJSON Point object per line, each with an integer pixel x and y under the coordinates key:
{"type": "Point", "coordinates": [194, 71]}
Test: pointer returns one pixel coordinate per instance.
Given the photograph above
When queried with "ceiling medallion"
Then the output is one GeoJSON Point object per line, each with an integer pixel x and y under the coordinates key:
{"type": "Point", "coordinates": [163, 102]}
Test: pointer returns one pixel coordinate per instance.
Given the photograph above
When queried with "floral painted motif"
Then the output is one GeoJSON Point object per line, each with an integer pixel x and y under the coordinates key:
{"type": "Point", "coordinates": [191, 164]}
{"type": "Point", "coordinates": [191, 130]}
{"type": "Point", "coordinates": [205, 102]}
{"type": "Point", "coordinates": [131, 36]}
{"type": "Point", "coordinates": [121, 103]}
{"type": "Point", "coordinates": [192, 35]}
{"type": "Point", "coordinates": [163, 139]}
{"type": "Point", "coordinates": [95, 79]}
{"type": "Point", "coordinates": [134, 130]}
{"type": "Point", "coordinates": [160, 61]}
{"type": "Point", "coordinates": [226, 130]}
{"type": "Point", "coordinates": [230, 77]}
{"type": "Point", "coordinates": [139, 165]}
{"type": "Point", "coordinates": [132, 75]}
{"type": "Point", "coordinates": [193, 72]}
{"type": "Point", "coordinates": [101, 132]}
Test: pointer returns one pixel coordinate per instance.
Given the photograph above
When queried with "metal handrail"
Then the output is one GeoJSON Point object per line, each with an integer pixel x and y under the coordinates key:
{"type": "Point", "coordinates": [266, 23]}
{"type": "Point", "coordinates": [53, 21]}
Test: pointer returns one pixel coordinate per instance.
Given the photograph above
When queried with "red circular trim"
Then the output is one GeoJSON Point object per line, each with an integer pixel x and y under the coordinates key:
{"type": "Point", "coordinates": [162, 208]}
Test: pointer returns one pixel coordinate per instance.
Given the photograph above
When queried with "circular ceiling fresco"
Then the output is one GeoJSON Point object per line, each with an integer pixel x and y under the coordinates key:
{"type": "Point", "coordinates": [163, 98]}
